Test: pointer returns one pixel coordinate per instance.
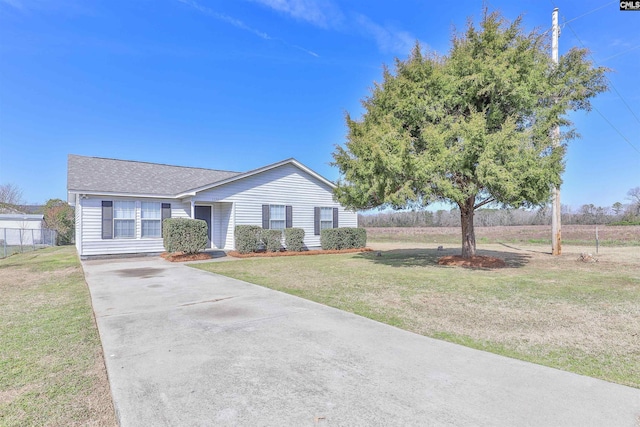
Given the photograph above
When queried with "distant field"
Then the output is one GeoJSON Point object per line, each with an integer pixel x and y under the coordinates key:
{"type": "Point", "coordinates": [537, 234]}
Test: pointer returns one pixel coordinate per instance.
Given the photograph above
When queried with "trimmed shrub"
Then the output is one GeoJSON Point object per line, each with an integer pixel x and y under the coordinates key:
{"type": "Point", "coordinates": [294, 239]}
{"type": "Point", "coordinates": [272, 239]}
{"type": "Point", "coordinates": [247, 238]}
{"type": "Point", "coordinates": [359, 237]}
{"type": "Point", "coordinates": [184, 235]}
{"type": "Point", "coordinates": [343, 238]}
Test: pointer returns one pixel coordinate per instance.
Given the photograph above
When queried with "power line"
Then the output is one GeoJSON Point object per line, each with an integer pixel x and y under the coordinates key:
{"type": "Point", "coordinates": [621, 53]}
{"type": "Point", "coordinates": [610, 82]}
{"type": "Point", "coordinates": [590, 12]}
{"type": "Point", "coordinates": [616, 129]}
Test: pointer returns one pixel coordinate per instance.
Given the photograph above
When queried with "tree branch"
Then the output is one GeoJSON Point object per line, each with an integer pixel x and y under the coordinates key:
{"type": "Point", "coordinates": [484, 202]}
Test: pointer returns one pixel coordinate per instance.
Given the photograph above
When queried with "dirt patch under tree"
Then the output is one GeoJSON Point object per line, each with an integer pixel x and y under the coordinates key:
{"type": "Point", "coordinates": [477, 261]}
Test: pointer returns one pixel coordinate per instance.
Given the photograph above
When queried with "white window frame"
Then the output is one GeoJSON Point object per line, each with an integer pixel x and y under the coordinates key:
{"type": "Point", "coordinates": [324, 222]}
{"type": "Point", "coordinates": [119, 210]}
{"type": "Point", "coordinates": [157, 218]}
{"type": "Point", "coordinates": [273, 219]}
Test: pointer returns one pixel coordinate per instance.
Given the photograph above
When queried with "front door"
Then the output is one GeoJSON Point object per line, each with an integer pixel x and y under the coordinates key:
{"type": "Point", "coordinates": [204, 213]}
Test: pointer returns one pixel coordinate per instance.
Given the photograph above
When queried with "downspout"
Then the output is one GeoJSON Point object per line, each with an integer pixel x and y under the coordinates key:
{"type": "Point", "coordinates": [233, 228]}
{"type": "Point", "coordinates": [80, 215]}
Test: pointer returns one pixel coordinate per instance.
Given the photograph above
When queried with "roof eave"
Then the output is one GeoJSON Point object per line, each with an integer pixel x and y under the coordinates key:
{"type": "Point", "coordinates": [119, 194]}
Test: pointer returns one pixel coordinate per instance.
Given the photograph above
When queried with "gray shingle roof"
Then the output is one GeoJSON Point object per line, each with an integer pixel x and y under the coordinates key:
{"type": "Point", "coordinates": [95, 174]}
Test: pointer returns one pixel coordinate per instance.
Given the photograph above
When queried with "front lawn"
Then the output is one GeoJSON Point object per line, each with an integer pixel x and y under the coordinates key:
{"type": "Point", "coordinates": [555, 311]}
{"type": "Point", "coordinates": [51, 364]}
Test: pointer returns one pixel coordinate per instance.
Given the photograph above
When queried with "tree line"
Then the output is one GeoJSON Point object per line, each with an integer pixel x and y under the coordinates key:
{"type": "Point", "coordinates": [588, 214]}
{"type": "Point", "coordinates": [58, 215]}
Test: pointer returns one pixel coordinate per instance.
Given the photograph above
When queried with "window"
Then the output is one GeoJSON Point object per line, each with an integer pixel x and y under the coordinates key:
{"type": "Point", "coordinates": [150, 215]}
{"type": "Point", "coordinates": [276, 217]}
{"type": "Point", "coordinates": [124, 220]}
{"type": "Point", "coordinates": [326, 218]}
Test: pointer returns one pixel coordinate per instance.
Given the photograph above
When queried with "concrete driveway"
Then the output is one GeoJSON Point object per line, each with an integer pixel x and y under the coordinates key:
{"type": "Point", "coordinates": [185, 347]}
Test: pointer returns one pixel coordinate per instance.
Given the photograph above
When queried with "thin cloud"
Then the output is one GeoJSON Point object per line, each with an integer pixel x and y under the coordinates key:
{"type": "Point", "coordinates": [75, 7]}
{"type": "Point", "coordinates": [323, 14]}
{"type": "Point", "coordinates": [241, 25]}
{"type": "Point", "coordinates": [389, 40]}
{"type": "Point", "coordinates": [225, 18]}
{"type": "Point", "coordinates": [327, 15]}
{"type": "Point", "coordinates": [18, 4]}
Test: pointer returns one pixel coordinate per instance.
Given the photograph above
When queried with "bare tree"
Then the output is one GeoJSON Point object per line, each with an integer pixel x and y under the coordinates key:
{"type": "Point", "coordinates": [10, 194]}
{"type": "Point", "coordinates": [634, 196]}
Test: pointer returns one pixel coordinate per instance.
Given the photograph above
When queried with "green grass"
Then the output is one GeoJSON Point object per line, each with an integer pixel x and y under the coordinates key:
{"type": "Point", "coordinates": [455, 239]}
{"type": "Point", "coordinates": [554, 311]}
{"type": "Point", "coordinates": [51, 365]}
{"type": "Point", "coordinates": [6, 251]}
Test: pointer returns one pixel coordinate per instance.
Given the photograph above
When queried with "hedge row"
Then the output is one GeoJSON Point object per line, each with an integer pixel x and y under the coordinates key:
{"type": "Point", "coordinates": [184, 235]}
{"type": "Point", "coordinates": [251, 238]}
{"type": "Point", "coordinates": [343, 238]}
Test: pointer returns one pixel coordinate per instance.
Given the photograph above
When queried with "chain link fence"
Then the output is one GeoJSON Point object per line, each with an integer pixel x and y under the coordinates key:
{"type": "Point", "coordinates": [18, 240]}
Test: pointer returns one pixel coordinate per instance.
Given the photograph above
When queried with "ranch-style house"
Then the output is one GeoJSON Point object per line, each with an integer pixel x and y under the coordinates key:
{"type": "Point", "coordinates": [120, 204]}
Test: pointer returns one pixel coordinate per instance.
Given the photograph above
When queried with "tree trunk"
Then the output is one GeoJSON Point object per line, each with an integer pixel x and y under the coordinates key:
{"type": "Point", "coordinates": [468, 233]}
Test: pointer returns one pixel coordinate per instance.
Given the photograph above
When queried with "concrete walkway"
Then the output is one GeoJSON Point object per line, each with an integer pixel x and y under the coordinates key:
{"type": "Point", "coordinates": [185, 347]}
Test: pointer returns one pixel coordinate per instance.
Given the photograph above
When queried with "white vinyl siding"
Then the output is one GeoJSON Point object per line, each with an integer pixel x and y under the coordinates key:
{"type": "Point", "coordinates": [239, 202]}
{"type": "Point", "coordinates": [286, 185]}
{"type": "Point", "coordinates": [124, 220]}
{"type": "Point", "coordinates": [78, 225]}
{"type": "Point", "coordinates": [222, 226]}
{"type": "Point", "coordinates": [91, 229]}
{"type": "Point", "coordinates": [150, 216]}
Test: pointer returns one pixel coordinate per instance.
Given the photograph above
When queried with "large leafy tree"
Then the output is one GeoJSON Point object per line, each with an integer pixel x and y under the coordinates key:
{"type": "Point", "coordinates": [471, 128]}
{"type": "Point", "coordinates": [59, 216]}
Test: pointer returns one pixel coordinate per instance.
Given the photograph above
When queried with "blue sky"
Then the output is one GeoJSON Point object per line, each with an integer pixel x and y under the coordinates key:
{"type": "Point", "coordinates": [237, 84]}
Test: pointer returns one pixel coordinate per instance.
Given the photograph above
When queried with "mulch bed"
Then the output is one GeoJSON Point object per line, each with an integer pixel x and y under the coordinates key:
{"type": "Point", "coordinates": [182, 257]}
{"type": "Point", "coordinates": [288, 253]}
{"type": "Point", "coordinates": [477, 261]}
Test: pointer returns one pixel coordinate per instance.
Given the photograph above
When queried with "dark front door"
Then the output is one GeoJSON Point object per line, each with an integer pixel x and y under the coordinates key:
{"type": "Point", "coordinates": [204, 213]}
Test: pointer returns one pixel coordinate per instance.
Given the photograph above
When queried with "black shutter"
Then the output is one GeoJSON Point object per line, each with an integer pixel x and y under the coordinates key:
{"type": "Point", "coordinates": [335, 217]}
{"type": "Point", "coordinates": [166, 213]}
{"type": "Point", "coordinates": [265, 217]}
{"type": "Point", "coordinates": [289, 218]}
{"type": "Point", "coordinates": [107, 219]}
{"type": "Point", "coordinates": [316, 221]}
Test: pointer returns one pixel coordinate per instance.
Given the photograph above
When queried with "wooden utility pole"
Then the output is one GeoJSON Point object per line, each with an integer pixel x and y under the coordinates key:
{"type": "Point", "coordinates": [556, 223]}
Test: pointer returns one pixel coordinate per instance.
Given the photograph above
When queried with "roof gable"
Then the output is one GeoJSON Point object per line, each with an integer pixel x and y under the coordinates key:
{"type": "Point", "coordinates": [253, 172]}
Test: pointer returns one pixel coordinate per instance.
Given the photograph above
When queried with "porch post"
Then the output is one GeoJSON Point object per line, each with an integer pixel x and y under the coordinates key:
{"type": "Point", "coordinates": [193, 208]}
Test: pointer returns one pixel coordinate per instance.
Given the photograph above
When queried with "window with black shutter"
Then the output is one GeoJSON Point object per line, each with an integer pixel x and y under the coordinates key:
{"type": "Point", "coordinates": [107, 219]}
{"type": "Point", "coordinates": [324, 217]}
{"type": "Point", "coordinates": [289, 219]}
